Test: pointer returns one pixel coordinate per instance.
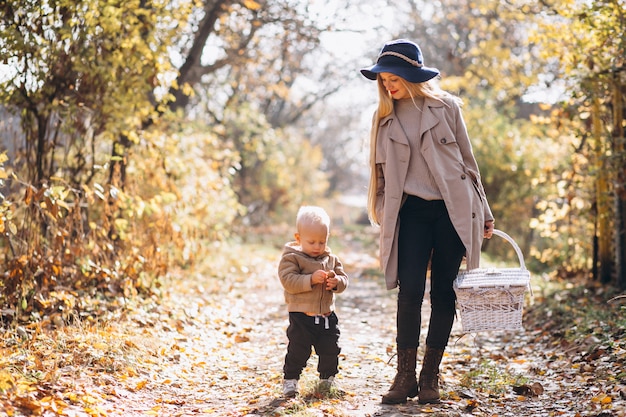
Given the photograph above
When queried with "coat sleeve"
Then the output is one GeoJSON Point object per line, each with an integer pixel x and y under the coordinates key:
{"type": "Point", "coordinates": [380, 191]}
{"type": "Point", "coordinates": [293, 281]}
{"type": "Point", "coordinates": [380, 154]}
{"type": "Point", "coordinates": [341, 276]}
{"type": "Point", "coordinates": [465, 146]}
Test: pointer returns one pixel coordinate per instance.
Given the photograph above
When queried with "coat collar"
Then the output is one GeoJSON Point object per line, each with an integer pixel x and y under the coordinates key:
{"type": "Point", "coordinates": [430, 116]}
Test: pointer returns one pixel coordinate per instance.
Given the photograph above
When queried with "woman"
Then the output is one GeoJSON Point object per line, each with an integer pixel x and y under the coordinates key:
{"type": "Point", "coordinates": [425, 193]}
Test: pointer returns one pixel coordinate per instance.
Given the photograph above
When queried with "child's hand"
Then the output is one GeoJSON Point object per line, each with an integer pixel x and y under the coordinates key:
{"type": "Point", "coordinates": [318, 277]}
{"type": "Point", "coordinates": [331, 281]}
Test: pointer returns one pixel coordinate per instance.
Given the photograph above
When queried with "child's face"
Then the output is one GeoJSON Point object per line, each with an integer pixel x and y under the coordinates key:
{"type": "Point", "coordinates": [312, 238]}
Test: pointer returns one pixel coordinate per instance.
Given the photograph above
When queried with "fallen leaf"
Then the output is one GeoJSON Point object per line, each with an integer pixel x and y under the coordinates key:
{"type": "Point", "coordinates": [533, 390]}
{"type": "Point", "coordinates": [6, 381]}
{"type": "Point", "coordinates": [241, 339]}
{"type": "Point", "coordinates": [140, 385]}
{"type": "Point", "coordinates": [470, 405]}
{"type": "Point", "coordinates": [602, 399]}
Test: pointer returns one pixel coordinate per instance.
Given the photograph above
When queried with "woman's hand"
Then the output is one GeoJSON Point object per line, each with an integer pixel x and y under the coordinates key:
{"type": "Point", "coordinates": [489, 229]}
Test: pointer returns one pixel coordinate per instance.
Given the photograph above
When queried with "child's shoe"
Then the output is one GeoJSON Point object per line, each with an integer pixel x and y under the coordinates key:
{"type": "Point", "coordinates": [290, 388]}
{"type": "Point", "coordinates": [326, 385]}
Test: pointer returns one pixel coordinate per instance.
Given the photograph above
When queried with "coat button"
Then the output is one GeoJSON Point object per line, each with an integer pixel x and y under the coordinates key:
{"type": "Point", "coordinates": [473, 215]}
{"type": "Point", "coordinates": [463, 176]}
{"type": "Point", "coordinates": [443, 140]}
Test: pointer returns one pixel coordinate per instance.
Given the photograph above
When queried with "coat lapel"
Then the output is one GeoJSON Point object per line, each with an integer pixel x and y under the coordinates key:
{"type": "Point", "coordinates": [429, 120]}
{"type": "Point", "coordinates": [429, 115]}
{"type": "Point", "coordinates": [396, 133]}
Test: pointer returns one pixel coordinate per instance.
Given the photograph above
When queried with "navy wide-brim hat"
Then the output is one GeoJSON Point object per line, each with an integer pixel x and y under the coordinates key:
{"type": "Point", "coordinates": [402, 58]}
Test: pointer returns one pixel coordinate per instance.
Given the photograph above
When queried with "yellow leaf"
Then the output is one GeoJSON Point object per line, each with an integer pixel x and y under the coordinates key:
{"type": "Point", "coordinates": [154, 411]}
{"type": "Point", "coordinates": [88, 399]}
{"type": "Point", "coordinates": [100, 346]}
{"type": "Point", "coordinates": [6, 381]}
{"type": "Point", "coordinates": [602, 399]}
{"type": "Point", "coordinates": [130, 371]}
{"type": "Point", "coordinates": [251, 4]}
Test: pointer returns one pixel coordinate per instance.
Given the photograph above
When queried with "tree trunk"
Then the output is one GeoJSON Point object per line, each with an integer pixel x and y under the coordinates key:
{"type": "Point", "coordinates": [619, 168]}
{"type": "Point", "coordinates": [620, 241]}
{"type": "Point", "coordinates": [117, 169]}
{"type": "Point", "coordinates": [40, 156]}
{"type": "Point", "coordinates": [188, 73]}
{"type": "Point", "coordinates": [604, 232]}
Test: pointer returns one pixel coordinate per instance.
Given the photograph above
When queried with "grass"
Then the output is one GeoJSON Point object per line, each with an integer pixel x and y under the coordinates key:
{"type": "Point", "coordinates": [310, 399]}
{"type": "Point", "coordinates": [572, 310]}
{"type": "Point", "coordinates": [491, 379]}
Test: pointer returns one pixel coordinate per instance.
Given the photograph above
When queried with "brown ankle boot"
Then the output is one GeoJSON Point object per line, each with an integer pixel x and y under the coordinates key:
{"type": "Point", "coordinates": [405, 382]}
{"type": "Point", "coordinates": [429, 376]}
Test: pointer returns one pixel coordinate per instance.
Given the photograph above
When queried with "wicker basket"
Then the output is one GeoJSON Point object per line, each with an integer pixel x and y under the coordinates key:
{"type": "Point", "coordinates": [492, 298]}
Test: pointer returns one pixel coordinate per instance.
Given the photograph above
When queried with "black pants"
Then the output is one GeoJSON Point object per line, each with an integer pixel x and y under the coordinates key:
{"type": "Point", "coordinates": [426, 234]}
{"type": "Point", "coordinates": [305, 332]}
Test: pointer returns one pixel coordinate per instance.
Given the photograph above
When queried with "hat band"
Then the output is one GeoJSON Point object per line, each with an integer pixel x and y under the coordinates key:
{"type": "Point", "coordinates": [399, 55]}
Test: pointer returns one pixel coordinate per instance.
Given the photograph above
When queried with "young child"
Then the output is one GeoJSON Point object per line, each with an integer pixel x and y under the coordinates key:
{"type": "Point", "coordinates": [311, 275]}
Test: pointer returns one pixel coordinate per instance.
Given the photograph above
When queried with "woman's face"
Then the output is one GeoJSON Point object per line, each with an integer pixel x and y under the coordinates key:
{"type": "Point", "coordinates": [394, 85]}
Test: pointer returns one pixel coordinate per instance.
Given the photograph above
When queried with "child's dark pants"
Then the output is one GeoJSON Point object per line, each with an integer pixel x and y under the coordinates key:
{"type": "Point", "coordinates": [305, 332]}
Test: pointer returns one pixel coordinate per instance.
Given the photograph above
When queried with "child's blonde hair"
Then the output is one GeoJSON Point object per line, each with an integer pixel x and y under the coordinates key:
{"type": "Point", "coordinates": [312, 215]}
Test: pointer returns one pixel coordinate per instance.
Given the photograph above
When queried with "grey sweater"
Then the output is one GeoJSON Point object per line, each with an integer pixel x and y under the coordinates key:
{"type": "Point", "coordinates": [419, 180]}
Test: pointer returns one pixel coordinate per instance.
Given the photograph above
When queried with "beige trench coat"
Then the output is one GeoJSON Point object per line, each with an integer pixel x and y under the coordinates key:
{"type": "Point", "coordinates": [448, 152]}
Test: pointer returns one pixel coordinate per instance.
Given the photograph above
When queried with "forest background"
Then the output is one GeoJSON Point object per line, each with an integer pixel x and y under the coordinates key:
{"type": "Point", "coordinates": [141, 137]}
{"type": "Point", "coordinates": [145, 143]}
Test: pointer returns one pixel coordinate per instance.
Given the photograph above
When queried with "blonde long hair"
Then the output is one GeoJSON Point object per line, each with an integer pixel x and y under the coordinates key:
{"type": "Point", "coordinates": [429, 89]}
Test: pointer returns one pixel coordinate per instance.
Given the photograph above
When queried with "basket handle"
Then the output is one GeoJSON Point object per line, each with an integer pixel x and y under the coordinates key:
{"type": "Point", "coordinates": [509, 239]}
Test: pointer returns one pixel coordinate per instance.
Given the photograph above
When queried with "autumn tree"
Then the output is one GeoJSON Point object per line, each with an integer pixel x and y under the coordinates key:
{"type": "Point", "coordinates": [80, 75]}
{"type": "Point", "coordinates": [83, 72]}
{"type": "Point", "coordinates": [587, 44]}
{"type": "Point", "coordinates": [253, 61]}
{"type": "Point", "coordinates": [91, 81]}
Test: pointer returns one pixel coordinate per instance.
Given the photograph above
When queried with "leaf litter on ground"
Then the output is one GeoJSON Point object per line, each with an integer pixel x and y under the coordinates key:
{"type": "Point", "coordinates": [214, 344]}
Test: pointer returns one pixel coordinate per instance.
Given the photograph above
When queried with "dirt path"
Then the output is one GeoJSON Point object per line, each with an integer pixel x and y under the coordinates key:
{"type": "Point", "coordinates": [218, 351]}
